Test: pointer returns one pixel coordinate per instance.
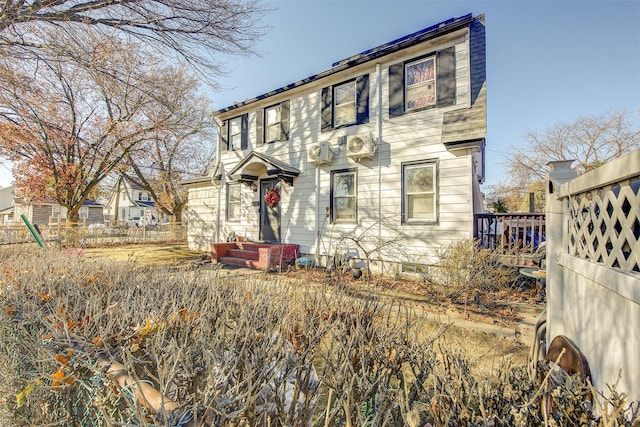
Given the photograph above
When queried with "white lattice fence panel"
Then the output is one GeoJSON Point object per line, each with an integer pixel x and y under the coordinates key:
{"type": "Point", "coordinates": [605, 225]}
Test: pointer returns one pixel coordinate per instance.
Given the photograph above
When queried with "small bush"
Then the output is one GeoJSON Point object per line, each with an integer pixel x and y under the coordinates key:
{"type": "Point", "coordinates": [466, 271]}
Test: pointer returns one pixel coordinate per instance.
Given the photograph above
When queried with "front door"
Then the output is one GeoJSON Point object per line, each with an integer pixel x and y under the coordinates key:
{"type": "Point", "coordinates": [269, 215]}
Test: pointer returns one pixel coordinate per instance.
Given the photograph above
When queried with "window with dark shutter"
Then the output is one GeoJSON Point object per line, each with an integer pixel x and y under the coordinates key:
{"type": "Point", "coordinates": [345, 104]}
{"type": "Point", "coordinates": [238, 133]}
{"type": "Point", "coordinates": [422, 83]}
{"type": "Point", "coordinates": [272, 129]}
{"type": "Point", "coordinates": [272, 123]}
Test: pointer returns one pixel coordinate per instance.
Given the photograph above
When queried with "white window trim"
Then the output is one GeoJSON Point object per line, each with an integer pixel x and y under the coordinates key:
{"type": "Point", "coordinates": [277, 124]}
{"type": "Point", "coordinates": [238, 134]}
{"type": "Point", "coordinates": [239, 202]}
{"type": "Point", "coordinates": [334, 212]}
{"type": "Point", "coordinates": [424, 83]}
{"type": "Point", "coordinates": [405, 193]}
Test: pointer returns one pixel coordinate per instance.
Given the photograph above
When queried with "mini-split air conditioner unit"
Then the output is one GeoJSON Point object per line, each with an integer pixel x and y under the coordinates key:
{"type": "Point", "coordinates": [320, 154]}
{"type": "Point", "coordinates": [361, 146]}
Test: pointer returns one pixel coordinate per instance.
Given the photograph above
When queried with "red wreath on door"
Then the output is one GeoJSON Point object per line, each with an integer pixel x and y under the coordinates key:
{"type": "Point", "coordinates": [272, 197]}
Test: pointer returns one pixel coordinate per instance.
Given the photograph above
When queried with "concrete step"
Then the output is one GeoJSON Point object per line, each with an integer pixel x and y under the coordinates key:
{"type": "Point", "coordinates": [243, 253]}
{"type": "Point", "coordinates": [241, 262]}
{"type": "Point", "coordinates": [250, 246]}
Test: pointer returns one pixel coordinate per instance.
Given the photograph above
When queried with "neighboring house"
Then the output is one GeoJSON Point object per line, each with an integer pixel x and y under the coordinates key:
{"type": "Point", "coordinates": [131, 203]}
{"type": "Point", "coordinates": [6, 205]}
{"type": "Point", "coordinates": [13, 206]}
{"type": "Point", "coordinates": [386, 146]}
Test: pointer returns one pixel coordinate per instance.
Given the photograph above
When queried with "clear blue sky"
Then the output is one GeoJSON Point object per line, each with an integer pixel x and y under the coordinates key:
{"type": "Point", "coordinates": [547, 61]}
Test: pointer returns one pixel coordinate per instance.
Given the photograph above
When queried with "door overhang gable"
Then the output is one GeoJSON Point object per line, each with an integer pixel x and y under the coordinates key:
{"type": "Point", "coordinates": [246, 169]}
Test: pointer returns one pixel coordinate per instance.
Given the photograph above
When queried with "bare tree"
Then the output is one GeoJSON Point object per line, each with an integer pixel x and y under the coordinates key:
{"type": "Point", "coordinates": [590, 140]}
{"type": "Point", "coordinates": [67, 125]}
{"type": "Point", "coordinates": [174, 153]}
{"type": "Point", "coordinates": [195, 30]}
{"type": "Point", "coordinates": [172, 156]}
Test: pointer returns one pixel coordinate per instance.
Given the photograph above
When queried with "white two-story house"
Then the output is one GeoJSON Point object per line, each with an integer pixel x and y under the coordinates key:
{"type": "Point", "coordinates": [385, 147]}
{"type": "Point", "coordinates": [129, 203]}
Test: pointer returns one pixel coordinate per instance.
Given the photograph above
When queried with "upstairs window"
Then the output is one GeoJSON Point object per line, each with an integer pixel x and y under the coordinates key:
{"type": "Point", "coordinates": [233, 133]}
{"type": "Point", "coordinates": [422, 83]}
{"type": "Point", "coordinates": [345, 104]}
{"type": "Point", "coordinates": [420, 89]}
{"type": "Point", "coordinates": [419, 195]}
{"type": "Point", "coordinates": [343, 196]}
{"type": "Point", "coordinates": [272, 123]}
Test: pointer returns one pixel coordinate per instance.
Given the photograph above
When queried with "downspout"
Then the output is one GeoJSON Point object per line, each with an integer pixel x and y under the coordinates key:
{"type": "Point", "coordinates": [214, 170]}
{"type": "Point", "coordinates": [379, 142]}
{"type": "Point", "coordinates": [318, 213]}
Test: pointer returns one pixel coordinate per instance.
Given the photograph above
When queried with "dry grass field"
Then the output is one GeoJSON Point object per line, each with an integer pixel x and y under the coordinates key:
{"type": "Point", "coordinates": [156, 336]}
{"type": "Point", "coordinates": [501, 327]}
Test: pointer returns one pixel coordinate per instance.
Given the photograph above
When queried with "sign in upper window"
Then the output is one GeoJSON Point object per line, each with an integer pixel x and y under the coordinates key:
{"type": "Point", "coordinates": [423, 83]}
{"type": "Point", "coordinates": [420, 81]}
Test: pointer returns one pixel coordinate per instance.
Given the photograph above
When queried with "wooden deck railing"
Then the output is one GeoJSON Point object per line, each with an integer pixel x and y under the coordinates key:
{"type": "Point", "coordinates": [510, 233]}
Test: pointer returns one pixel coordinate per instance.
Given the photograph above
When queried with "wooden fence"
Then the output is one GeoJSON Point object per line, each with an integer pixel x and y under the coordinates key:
{"type": "Point", "coordinates": [66, 234]}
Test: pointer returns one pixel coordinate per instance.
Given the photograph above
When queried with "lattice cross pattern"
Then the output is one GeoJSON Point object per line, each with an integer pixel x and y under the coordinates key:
{"type": "Point", "coordinates": [604, 226]}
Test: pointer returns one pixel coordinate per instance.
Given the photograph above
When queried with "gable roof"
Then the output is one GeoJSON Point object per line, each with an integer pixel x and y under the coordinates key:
{"type": "Point", "coordinates": [420, 36]}
{"type": "Point", "coordinates": [274, 167]}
